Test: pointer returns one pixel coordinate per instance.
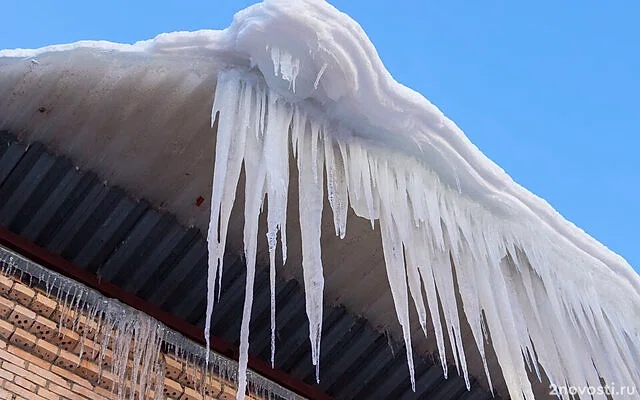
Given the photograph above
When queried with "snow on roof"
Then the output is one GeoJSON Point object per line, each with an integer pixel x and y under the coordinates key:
{"type": "Point", "coordinates": [305, 74]}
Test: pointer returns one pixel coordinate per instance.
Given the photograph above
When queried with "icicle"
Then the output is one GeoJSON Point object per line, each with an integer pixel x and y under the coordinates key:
{"type": "Point", "coordinates": [444, 282]}
{"type": "Point", "coordinates": [471, 305]}
{"type": "Point", "coordinates": [230, 145]}
{"type": "Point", "coordinates": [129, 339]}
{"type": "Point", "coordinates": [394, 260]}
{"type": "Point", "coordinates": [285, 66]}
{"type": "Point", "coordinates": [429, 231]}
{"type": "Point", "coordinates": [254, 196]}
{"type": "Point", "coordinates": [310, 181]}
{"type": "Point", "coordinates": [316, 83]}
{"type": "Point", "coordinates": [336, 187]}
{"type": "Point", "coordinates": [276, 163]}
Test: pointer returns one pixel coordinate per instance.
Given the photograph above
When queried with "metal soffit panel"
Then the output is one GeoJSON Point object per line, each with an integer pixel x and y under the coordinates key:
{"type": "Point", "coordinates": [70, 212]}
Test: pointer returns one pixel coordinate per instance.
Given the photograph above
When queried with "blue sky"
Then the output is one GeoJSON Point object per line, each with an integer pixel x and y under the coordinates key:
{"type": "Point", "coordinates": [546, 89]}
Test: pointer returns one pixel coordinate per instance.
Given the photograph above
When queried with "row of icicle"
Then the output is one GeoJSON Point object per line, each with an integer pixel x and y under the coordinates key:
{"type": "Point", "coordinates": [503, 273]}
{"type": "Point", "coordinates": [136, 340]}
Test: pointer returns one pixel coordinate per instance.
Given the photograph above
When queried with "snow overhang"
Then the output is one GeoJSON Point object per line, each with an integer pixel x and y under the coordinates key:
{"type": "Point", "coordinates": [535, 279]}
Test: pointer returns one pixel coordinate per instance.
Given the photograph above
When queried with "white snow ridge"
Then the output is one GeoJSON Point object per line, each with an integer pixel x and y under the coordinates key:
{"type": "Point", "coordinates": [299, 80]}
{"type": "Point", "coordinates": [549, 294]}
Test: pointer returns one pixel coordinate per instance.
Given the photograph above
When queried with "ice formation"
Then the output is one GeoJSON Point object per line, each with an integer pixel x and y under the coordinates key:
{"type": "Point", "coordinates": [300, 79]}
{"type": "Point", "coordinates": [516, 281]}
{"type": "Point", "coordinates": [548, 294]}
{"type": "Point", "coordinates": [127, 344]}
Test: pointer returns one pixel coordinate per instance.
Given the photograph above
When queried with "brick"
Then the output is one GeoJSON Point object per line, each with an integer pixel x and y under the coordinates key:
{"type": "Point", "coordinates": [6, 329]}
{"type": "Point", "coordinates": [15, 360]}
{"type": "Point", "coordinates": [107, 357]}
{"type": "Point", "coordinates": [90, 350]}
{"type": "Point", "coordinates": [22, 382]}
{"type": "Point", "coordinates": [49, 376]}
{"type": "Point", "coordinates": [5, 395]}
{"type": "Point", "coordinates": [86, 327]}
{"type": "Point", "coordinates": [64, 316]}
{"type": "Point", "coordinates": [66, 339]}
{"type": "Point", "coordinates": [6, 306]}
{"type": "Point", "coordinates": [22, 294]}
{"type": "Point", "coordinates": [55, 315]}
{"type": "Point", "coordinates": [5, 285]}
{"type": "Point", "coordinates": [67, 360]}
{"type": "Point", "coordinates": [190, 376]}
{"type": "Point", "coordinates": [24, 355]}
{"type": "Point", "coordinates": [66, 393]}
{"type": "Point", "coordinates": [173, 367]}
{"type": "Point", "coordinates": [22, 317]}
{"type": "Point", "coordinates": [227, 396]}
{"type": "Point", "coordinates": [216, 384]}
{"type": "Point", "coordinates": [212, 387]}
{"type": "Point", "coordinates": [107, 380]}
{"type": "Point", "coordinates": [68, 376]}
{"type": "Point", "coordinates": [43, 328]}
{"type": "Point", "coordinates": [88, 393]}
{"type": "Point", "coordinates": [47, 394]}
{"type": "Point", "coordinates": [190, 394]}
{"type": "Point", "coordinates": [23, 373]}
{"type": "Point", "coordinates": [100, 337]}
{"type": "Point", "coordinates": [86, 370]}
{"type": "Point", "coordinates": [46, 351]}
{"type": "Point", "coordinates": [43, 305]}
{"type": "Point", "coordinates": [172, 388]}
{"type": "Point", "coordinates": [13, 388]}
{"type": "Point", "coordinates": [23, 339]}
{"type": "Point", "coordinates": [5, 374]}
{"type": "Point", "coordinates": [105, 393]}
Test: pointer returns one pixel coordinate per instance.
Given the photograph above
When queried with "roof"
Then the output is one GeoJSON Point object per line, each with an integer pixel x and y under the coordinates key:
{"type": "Point", "coordinates": [299, 89]}
{"type": "Point", "coordinates": [66, 328]}
{"type": "Point", "coordinates": [71, 213]}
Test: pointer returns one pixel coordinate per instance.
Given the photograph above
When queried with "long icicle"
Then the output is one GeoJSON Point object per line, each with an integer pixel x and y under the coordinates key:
{"type": "Point", "coordinates": [254, 197]}
{"type": "Point", "coordinates": [428, 232]}
{"type": "Point", "coordinates": [310, 180]}
{"type": "Point", "coordinates": [276, 161]}
{"type": "Point", "coordinates": [225, 99]}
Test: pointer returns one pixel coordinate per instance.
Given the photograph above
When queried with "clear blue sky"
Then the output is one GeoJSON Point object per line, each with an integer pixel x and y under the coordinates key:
{"type": "Point", "coordinates": [548, 90]}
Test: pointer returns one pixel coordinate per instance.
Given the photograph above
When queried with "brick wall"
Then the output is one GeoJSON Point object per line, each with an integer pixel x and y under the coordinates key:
{"type": "Point", "coordinates": [45, 353]}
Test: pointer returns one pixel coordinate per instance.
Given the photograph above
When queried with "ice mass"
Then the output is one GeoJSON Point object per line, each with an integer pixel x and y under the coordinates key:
{"type": "Point", "coordinates": [300, 82]}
